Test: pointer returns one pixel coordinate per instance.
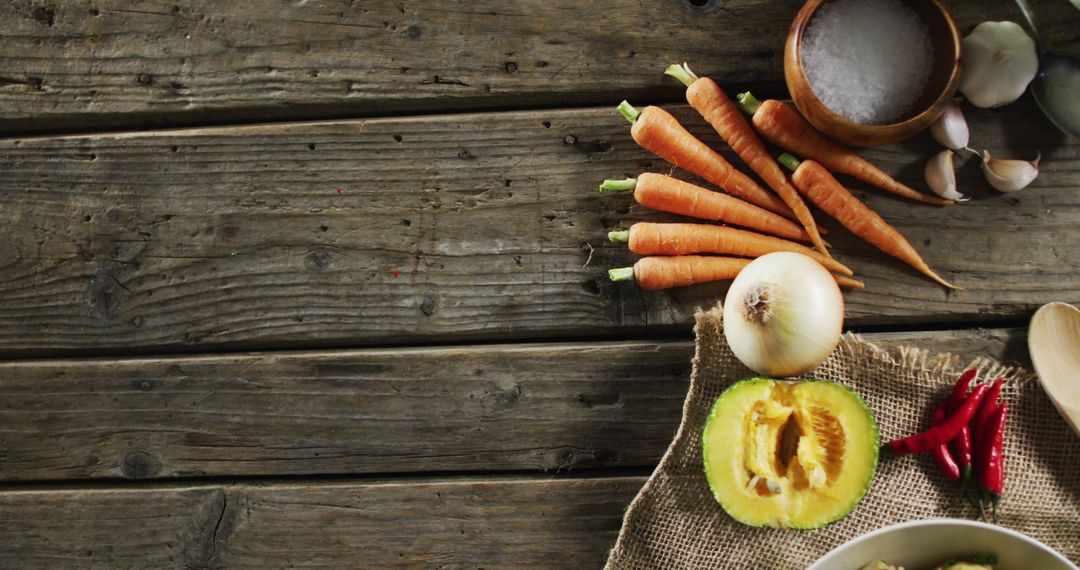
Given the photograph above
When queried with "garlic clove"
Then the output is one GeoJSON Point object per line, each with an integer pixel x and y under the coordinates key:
{"type": "Point", "coordinates": [941, 178]}
{"type": "Point", "coordinates": [951, 130]}
{"type": "Point", "coordinates": [1009, 175]}
{"type": "Point", "coordinates": [998, 63]}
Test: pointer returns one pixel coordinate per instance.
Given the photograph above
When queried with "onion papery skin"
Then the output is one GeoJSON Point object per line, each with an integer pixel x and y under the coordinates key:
{"type": "Point", "coordinates": [783, 314]}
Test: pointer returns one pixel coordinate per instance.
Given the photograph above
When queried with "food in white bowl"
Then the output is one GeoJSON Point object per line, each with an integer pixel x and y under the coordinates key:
{"type": "Point", "coordinates": [925, 544]}
{"type": "Point", "coordinates": [947, 565]}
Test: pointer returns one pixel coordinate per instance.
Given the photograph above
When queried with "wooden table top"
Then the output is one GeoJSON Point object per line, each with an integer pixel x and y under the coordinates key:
{"type": "Point", "coordinates": [323, 282]}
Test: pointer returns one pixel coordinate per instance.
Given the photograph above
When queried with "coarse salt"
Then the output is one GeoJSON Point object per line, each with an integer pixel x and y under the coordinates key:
{"type": "Point", "coordinates": [867, 60]}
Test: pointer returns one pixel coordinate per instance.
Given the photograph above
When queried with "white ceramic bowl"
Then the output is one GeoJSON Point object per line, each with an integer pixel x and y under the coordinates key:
{"type": "Point", "coordinates": [919, 545]}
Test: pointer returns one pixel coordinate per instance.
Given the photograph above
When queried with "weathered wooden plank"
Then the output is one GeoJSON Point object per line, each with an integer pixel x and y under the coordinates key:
{"type": "Point", "coordinates": [475, 226]}
{"type": "Point", "coordinates": [79, 64]}
{"type": "Point", "coordinates": [550, 407]}
{"type": "Point", "coordinates": [458, 523]}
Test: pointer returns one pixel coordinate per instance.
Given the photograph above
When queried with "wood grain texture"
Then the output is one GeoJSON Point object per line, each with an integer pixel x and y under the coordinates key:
{"type": "Point", "coordinates": [553, 407]}
{"type": "Point", "coordinates": [447, 228]}
{"type": "Point", "coordinates": [457, 523]}
{"type": "Point", "coordinates": [98, 63]}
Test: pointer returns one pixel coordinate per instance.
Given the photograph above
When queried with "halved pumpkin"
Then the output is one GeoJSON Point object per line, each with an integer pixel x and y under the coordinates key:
{"type": "Point", "coordinates": [789, 454]}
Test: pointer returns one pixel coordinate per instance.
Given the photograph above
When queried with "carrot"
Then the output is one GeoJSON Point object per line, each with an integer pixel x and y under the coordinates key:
{"type": "Point", "coordinates": [817, 184]}
{"type": "Point", "coordinates": [667, 272]}
{"type": "Point", "coordinates": [786, 128]}
{"type": "Point", "coordinates": [724, 115]}
{"type": "Point", "coordinates": [677, 239]}
{"type": "Point", "coordinates": [668, 194]}
{"type": "Point", "coordinates": [660, 133]}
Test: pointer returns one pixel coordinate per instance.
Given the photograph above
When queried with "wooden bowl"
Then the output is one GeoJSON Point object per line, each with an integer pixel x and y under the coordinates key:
{"type": "Point", "coordinates": [941, 87]}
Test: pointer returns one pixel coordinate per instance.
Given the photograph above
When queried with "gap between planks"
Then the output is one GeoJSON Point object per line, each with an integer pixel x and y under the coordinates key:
{"type": "Point", "coordinates": [661, 333]}
{"type": "Point", "coordinates": [545, 407]}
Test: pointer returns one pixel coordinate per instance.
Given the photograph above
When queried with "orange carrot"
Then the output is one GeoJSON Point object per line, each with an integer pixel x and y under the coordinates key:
{"type": "Point", "coordinates": [660, 133]}
{"type": "Point", "coordinates": [668, 194]}
{"type": "Point", "coordinates": [724, 115]}
{"type": "Point", "coordinates": [678, 239]}
{"type": "Point", "coordinates": [786, 128]}
{"type": "Point", "coordinates": [822, 189]}
{"type": "Point", "coordinates": [849, 282]}
{"type": "Point", "coordinates": [668, 272]}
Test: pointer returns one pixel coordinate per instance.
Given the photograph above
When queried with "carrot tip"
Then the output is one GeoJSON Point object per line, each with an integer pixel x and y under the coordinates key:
{"type": "Point", "coordinates": [937, 278]}
{"type": "Point", "coordinates": [748, 103]}
{"type": "Point", "coordinates": [628, 111]}
{"type": "Point", "coordinates": [618, 185]}
{"type": "Point", "coordinates": [621, 274]}
{"type": "Point", "coordinates": [848, 282]}
{"type": "Point", "coordinates": [682, 73]}
{"type": "Point", "coordinates": [788, 161]}
{"type": "Point", "coordinates": [839, 267]}
{"type": "Point", "coordinates": [622, 236]}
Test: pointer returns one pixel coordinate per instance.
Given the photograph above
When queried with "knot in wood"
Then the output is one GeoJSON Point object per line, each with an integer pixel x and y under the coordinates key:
{"type": "Point", "coordinates": [319, 259]}
{"type": "Point", "coordinates": [427, 306]}
{"type": "Point", "coordinates": [140, 465]}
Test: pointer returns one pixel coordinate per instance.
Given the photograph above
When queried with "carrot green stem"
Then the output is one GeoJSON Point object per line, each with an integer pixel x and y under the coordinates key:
{"type": "Point", "coordinates": [619, 185]}
{"type": "Point", "coordinates": [789, 162]}
{"type": "Point", "coordinates": [682, 73]}
{"type": "Point", "coordinates": [621, 274]}
{"type": "Point", "coordinates": [748, 103]}
{"type": "Point", "coordinates": [619, 236]}
{"type": "Point", "coordinates": [627, 110]}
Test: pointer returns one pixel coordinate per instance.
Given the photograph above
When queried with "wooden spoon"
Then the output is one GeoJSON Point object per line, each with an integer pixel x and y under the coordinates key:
{"type": "Point", "coordinates": [1054, 343]}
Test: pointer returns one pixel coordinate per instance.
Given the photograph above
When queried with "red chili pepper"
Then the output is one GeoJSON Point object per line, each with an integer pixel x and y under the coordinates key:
{"type": "Point", "coordinates": [988, 404]}
{"type": "Point", "coordinates": [997, 472]}
{"type": "Point", "coordinates": [982, 441]}
{"type": "Point", "coordinates": [961, 444]}
{"type": "Point", "coordinates": [991, 475]}
{"type": "Point", "coordinates": [945, 462]}
{"type": "Point", "coordinates": [943, 432]}
{"type": "Point", "coordinates": [961, 447]}
{"type": "Point", "coordinates": [986, 408]}
{"type": "Point", "coordinates": [960, 389]}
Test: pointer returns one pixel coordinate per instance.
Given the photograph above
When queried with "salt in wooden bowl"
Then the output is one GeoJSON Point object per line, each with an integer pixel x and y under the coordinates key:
{"type": "Point", "coordinates": [941, 86]}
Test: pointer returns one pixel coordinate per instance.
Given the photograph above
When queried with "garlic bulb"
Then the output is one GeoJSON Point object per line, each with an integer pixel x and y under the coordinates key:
{"type": "Point", "coordinates": [941, 178]}
{"type": "Point", "coordinates": [998, 63]}
{"type": "Point", "coordinates": [1007, 175]}
{"type": "Point", "coordinates": [951, 130]}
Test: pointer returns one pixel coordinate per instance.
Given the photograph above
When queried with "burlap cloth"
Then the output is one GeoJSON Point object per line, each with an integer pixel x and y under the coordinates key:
{"type": "Point", "coordinates": [674, 522]}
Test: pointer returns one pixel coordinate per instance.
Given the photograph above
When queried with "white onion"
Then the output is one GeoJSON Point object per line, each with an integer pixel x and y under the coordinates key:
{"type": "Point", "coordinates": [783, 314]}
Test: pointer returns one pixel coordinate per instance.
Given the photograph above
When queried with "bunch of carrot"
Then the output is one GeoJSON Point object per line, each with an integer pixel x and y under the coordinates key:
{"type": "Point", "coordinates": [781, 213]}
{"type": "Point", "coordinates": [973, 424]}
